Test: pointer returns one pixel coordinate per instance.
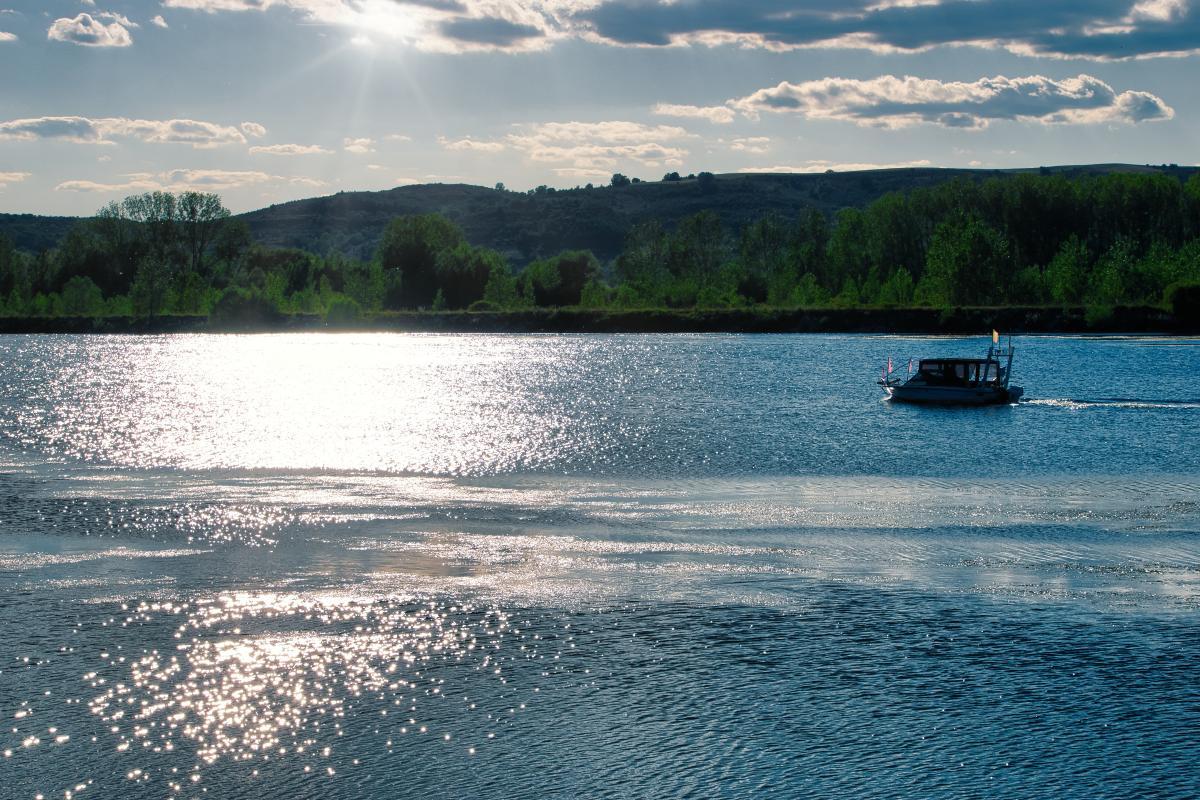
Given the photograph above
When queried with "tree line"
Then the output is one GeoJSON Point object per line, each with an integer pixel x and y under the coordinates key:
{"type": "Point", "coordinates": [1117, 239]}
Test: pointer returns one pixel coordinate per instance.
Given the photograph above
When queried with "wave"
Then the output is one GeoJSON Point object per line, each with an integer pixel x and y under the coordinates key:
{"type": "Point", "coordinates": [1080, 404]}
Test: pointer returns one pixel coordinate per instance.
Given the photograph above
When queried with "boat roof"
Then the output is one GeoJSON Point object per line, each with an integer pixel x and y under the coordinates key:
{"type": "Point", "coordinates": [958, 361]}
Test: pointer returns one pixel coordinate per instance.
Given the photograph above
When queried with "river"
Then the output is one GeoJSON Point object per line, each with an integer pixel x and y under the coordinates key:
{"type": "Point", "coordinates": [486, 566]}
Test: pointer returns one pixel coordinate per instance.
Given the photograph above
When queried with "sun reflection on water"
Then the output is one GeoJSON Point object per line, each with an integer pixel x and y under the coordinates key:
{"type": "Point", "coordinates": [411, 404]}
{"type": "Point", "coordinates": [257, 677]}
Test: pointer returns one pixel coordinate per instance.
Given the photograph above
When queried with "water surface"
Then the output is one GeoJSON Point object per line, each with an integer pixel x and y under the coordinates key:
{"type": "Point", "coordinates": [608, 566]}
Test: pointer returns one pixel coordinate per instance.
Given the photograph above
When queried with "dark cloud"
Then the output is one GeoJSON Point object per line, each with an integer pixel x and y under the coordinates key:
{"type": "Point", "coordinates": [491, 31]}
{"type": "Point", "coordinates": [454, 6]}
{"type": "Point", "coordinates": [1085, 28]}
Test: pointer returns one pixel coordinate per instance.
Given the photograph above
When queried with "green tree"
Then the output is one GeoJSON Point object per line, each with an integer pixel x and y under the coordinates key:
{"type": "Point", "coordinates": [559, 281]}
{"type": "Point", "coordinates": [965, 258]}
{"type": "Point", "coordinates": [1067, 274]}
{"type": "Point", "coordinates": [199, 216]}
{"type": "Point", "coordinates": [697, 247]}
{"type": "Point", "coordinates": [502, 289]}
{"type": "Point", "coordinates": [463, 273]}
{"type": "Point", "coordinates": [148, 294]}
{"type": "Point", "coordinates": [897, 290]}
{"type": "Point", "coordinates": [81, 297]}
{"type": "Point", "coordinates": [411, 245]}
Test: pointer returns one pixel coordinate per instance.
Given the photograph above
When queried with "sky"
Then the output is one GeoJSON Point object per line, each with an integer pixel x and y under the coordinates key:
{"type": "Point", "coordinates": [265, 101]}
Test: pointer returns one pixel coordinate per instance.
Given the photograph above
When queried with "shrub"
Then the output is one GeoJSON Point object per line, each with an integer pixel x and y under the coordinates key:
{"type": "Point", "coordinates": [343, 311]}
{"type": "Point", "coordinates": [240, 308]}
{"type": "Point", "coordinates": [1184, 300]}
{"type": "Point", "coordinates": [81, 297]}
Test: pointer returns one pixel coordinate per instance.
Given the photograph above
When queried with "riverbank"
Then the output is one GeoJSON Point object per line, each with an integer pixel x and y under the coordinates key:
{"type": "Point", "coordinates": [1132, 319]}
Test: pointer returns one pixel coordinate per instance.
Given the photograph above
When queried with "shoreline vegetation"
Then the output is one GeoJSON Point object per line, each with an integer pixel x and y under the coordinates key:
{"type": "Point", "coordinates": [1027, 253]}
{"type": "Point", "coordinates": [1012, 319]}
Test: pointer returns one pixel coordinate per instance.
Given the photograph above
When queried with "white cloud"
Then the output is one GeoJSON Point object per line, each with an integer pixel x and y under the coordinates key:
{"type": "Point", "coordinates": [433, 25]}
{"type": "Point", "coordinates": [836, 166]}
{"type": "Point", "coordinates": [1092, 29]}
{"type": "Point", "coordinates": [90, 32]}
{"type": "Point", "coordinates": [12, 177]}
{"type": "Point", "coordinates": [115, 17]}
{"type": "Point", "coordinates": [358, 146]}
{"type": "Point", "coordinates": [159, 22]}
{"type": "Point", "coordinates": [397, 137]}
{"type": "Point", "coordinates": [892, 102]}
{"type": "Point", "coordinates": [201, 135]}
{"type": "Point", "coordinates": [289, 150]}
{"type": "Point", "coordinates": [7, 37]}
{"type": "Point", "coordinates": [756, 145]}
{"type": "Point", "coordinates": [718, 115]}
{"type": "Point", "coordinates": [592, 147]}
{"type": "Point", "coordinates": [469, 144]}
{"type": "Point", "coordinates": [253, 130]}
{"type": "Point", "coordinates": [178, 180]}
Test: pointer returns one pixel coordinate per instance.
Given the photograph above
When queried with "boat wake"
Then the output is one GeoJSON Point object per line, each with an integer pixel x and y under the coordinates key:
{"type": "Point", "coordinates": [1075, 404]}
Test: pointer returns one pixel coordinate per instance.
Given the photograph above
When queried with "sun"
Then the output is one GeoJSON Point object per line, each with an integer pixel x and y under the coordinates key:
{"type": "Point", "coordinates": [384, 19]}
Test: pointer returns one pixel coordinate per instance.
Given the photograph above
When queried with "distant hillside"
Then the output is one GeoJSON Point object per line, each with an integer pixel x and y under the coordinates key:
{"type": "Point", "coordinates": [525, 227]}
{"type": "Point", "coordinates": [32, 233]}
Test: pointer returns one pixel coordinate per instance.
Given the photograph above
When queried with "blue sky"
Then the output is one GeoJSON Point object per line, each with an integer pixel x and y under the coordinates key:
{"type": "Point", "coordinates": [265, 101]}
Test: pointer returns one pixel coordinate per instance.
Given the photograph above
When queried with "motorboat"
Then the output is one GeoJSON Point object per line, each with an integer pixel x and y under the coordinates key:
{"type": "Point", "coordinates": [956, 381]}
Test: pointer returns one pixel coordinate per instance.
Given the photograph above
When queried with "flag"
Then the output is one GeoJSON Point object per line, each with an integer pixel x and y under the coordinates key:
{"type": "Point", "coordinates": [995, 336]}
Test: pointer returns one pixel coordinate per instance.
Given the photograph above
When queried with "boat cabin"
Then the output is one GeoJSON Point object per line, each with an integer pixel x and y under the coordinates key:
{"type": "Point", "coordinates": [959, 371]}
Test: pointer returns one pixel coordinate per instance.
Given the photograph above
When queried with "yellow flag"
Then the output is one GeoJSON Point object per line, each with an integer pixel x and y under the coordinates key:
{"type": "Point", "coordinates": [995, 336]}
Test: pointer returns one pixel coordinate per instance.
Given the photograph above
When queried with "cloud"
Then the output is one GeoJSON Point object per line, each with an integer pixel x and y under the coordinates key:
{"type": "Point", "coordinates": [290, 150]}
{"type": "Point", "coordinates": [1103, 29]}
{"type": "Point", "coordinates": [201, 135]}
{"type": "Point", "coordinates": [435, 25]}
{"type": "Point", "coordinates": [891, 102]}
{"type": "Point", "coordinates": [718, 115]}
{"type": "Point", "coordinates": [12, 177]}
{"type": "Point", "coordinates": [179, 180]}
{"type": "Point", "coordinates": [590, 148]}
{"type": "Point", "coordinates": [90, 32]}
{"type": "Point", "coordinates": [471, 144]}
{"type": "Point", "coordinates": [835, 166]}
{"type": "Point", "coordinates": [253, 130]}
{"type": "Point", "coordinates": [756, 145]}
{"type": "Point", "coordinates": [1096, 29]}
{"type": "Point", "coordinates": [358, 146]}
{"type": "Point", "coordinates": [159, 22]}
{"type": "Point", "coordinates": [489, 31]}
{"type": "Point", "coordinates": [7, 37]}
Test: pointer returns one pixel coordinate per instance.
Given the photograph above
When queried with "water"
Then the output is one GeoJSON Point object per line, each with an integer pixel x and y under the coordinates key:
{"type": "Point", "coordinates": [348, 566]}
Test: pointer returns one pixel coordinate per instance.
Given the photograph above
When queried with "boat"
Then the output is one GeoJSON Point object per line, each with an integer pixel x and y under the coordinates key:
{"type": "Point", "coordinates": [957, 381]}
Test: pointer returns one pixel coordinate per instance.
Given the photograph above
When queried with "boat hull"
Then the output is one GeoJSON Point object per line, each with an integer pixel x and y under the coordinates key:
{"type": "Point", "coordinates": [954, 395]}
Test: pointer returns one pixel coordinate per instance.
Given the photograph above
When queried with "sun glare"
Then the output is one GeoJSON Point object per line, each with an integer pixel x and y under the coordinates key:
{"type": "Point", "coordinates": [376, 20]}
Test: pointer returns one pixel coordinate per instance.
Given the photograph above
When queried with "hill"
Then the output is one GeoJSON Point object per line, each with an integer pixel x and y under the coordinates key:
{"type": "Point", "coordinates": [33, 233]}
{"type": "Point", "coordinates": [527, 226]}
